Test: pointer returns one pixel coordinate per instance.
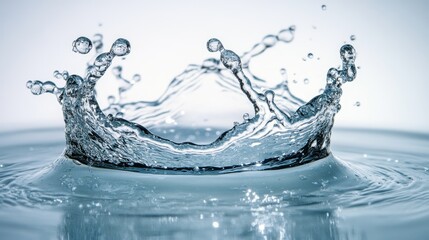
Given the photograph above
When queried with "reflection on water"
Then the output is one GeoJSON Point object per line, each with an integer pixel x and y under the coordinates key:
{"type": "Point", "coordinates": [377, 190]}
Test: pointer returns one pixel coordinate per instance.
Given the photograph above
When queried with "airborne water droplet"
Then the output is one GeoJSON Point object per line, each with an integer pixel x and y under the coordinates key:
{"type": "Point", "coordinates": [310, 55]}
{"type": "Point", "coordinates": [269, 40]}
{"type": "Point", "coordinates": [352, 37]}
{"type": "Point", "coordinates": [357, 104]}
{"type": "Point", "coordinates": [36, 88]}
{"type": "Point", "coordinates": [136, 77]}
{"type": "Point", "coordinates": [121, 47]}
{"type": "Point", "coordinates": [29, 84]}
{"type": "Point", "coordinates": [323, 7]}
{"type": "Point", "coordinates": [246, 117]}
{"type": "Point", "coordinates": [286, 35]}
{"type": "Point", "coordinates": [347, 53]}
{"type": "Point", "coordinates": [306, 81]}
{"type": "Point", "coordinates": [214, 45]}
{"type": "Point", "coordinates": [82, 45]}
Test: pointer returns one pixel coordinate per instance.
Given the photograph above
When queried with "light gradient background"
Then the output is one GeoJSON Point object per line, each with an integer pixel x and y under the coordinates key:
{"type": "Point", "coordinates": [392, 46]}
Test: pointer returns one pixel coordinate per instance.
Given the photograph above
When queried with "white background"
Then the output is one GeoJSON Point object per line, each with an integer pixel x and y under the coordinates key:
{"type": "Point", "coordinates": [392, 42]}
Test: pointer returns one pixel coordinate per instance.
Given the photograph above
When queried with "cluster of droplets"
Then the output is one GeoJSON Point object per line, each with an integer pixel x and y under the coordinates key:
{"type": "Point", "coordinates": [120, 47]}
{"type": "Point", "coordinates": [285, 35]}
{"type": "Point", "coordinates": [263, 103]}
{"type": "Point", "coordinates": [83, 45]}
{"type": "Point", "coordinates": [229, 58]}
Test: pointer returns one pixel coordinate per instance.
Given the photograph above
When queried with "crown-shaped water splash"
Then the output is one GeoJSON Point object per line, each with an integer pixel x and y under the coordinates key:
{"type": "Point", "coordinates": [284, 131]}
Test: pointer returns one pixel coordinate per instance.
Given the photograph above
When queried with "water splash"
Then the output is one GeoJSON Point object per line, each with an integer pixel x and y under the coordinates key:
{"type": "Point", "coordinates": [283, 132]}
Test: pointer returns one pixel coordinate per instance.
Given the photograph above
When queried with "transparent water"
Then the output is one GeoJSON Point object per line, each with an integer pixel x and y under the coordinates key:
{"type": "Point", "coordinates": [143, 170]}
{"type": "Point", "coordinates": [374, 188]}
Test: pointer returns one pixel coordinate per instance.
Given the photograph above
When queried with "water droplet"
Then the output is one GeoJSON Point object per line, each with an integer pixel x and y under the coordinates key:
{"type": "Point", "coordinates": [230, 60]}
{"type": "Point", "coordinates": [306, 81]}
{"type": "Point", "coordinates": [347, 53]}
{"type": "Point", "coordinates": [57, 74]}
{"type": "Point", "coordinates": [36, 87]}
{"type": "Point", "coordinates": [352, 37]}
{"type": "Point", "coordinates": [214, 45]}
{"type": "Point", "coordinates": [357, 104]}
{"type": "Point", "coordinates": [286, 35]}
{"type": "Point", "coordinates": [121, 47]}
{"type": "Point", "coordinates": [310, 55]}
{"type": "Point", "coordinates": [136, 77]}
{"type": "Point", "coordinates": [82, 45]}
{"type": "Point", "coordinates": [269, 40]}
{"type": "Point", "coordinates": [65, 75]}
{"type": "Point", "coordinates": [29, 84]}
{"type": "Point", "coordinates": [323, 7]}
{"type": "Point", "coordinates": [246, 117]}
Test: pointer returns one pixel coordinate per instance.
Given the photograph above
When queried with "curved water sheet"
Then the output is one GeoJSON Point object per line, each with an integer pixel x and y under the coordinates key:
{"type": "Point", "coordinates": [376, 189]}
{"type": "Point", "coordinates": [283, 132]}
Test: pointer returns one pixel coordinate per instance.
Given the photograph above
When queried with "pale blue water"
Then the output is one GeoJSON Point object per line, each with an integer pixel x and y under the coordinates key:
{"type": "Point", "coordinates": [376, 187]}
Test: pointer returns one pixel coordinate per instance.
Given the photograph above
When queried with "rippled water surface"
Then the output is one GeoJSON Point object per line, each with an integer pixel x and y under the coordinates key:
{"type": "Point", "coordinates": [374, 187]}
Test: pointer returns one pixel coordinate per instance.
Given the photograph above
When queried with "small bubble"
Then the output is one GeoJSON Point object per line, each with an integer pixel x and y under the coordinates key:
{"type": "Point", "coordinates": [306, 81]}
{"type": "Point", "coordinates": [357, 104]}
{"type": "Point", "coordinates": [136, 77]}
{"type": "Point", "coordinates": [65, 75]}
{"type": "Point", "coordinates": [310, 55]}
{"type": "Point", "coordinates": [29, 84]}
{"type": "Point", "coordinates": [121, 47]}
{"type": "Point", "coordinates": [82, 45]}
{"type": "Point", "coordinates": [323, 7]}
{"type": "Point", "coordinates": [57, 74]}
{"type": "Point", "coordinates": [246, 117]}
{"type": "Point", "coordinates": [352, 37]}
